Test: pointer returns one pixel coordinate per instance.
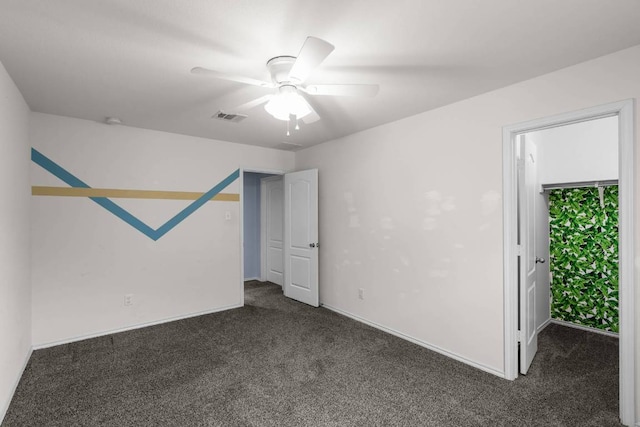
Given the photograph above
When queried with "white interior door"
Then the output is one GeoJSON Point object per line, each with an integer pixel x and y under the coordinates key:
{"type": "Point", "coordinates": [301, 236]}
{"type": "Point", "coordinates": [527, 187]}
{"type": "Point", "coordinates": [273, 205]}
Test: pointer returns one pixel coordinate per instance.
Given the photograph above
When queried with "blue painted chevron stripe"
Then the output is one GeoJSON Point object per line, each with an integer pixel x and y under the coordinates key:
{"type": "Point", "coordinates": [154, 234]}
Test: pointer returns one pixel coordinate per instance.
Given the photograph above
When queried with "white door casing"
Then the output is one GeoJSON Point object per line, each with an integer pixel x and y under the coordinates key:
{"type": "Point", "coordinates": [273, 229]}
{"type": "Point", "coordinates": [301, 236]}
{"type": "Point", "coordinates": [528, 258]}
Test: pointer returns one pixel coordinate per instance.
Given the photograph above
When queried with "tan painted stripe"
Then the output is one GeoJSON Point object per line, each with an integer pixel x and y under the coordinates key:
{"type": "Point", "coordinates": [128, 194]}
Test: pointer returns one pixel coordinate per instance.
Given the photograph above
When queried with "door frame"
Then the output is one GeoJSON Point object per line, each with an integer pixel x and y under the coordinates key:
{"type": "Point", "coordinates": [625, 110]}
{"type": "Point", "coordinates": [241, 221]}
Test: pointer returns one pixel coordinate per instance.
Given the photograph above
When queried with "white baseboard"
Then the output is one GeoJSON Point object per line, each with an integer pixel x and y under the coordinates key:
{"type": "Point", "coordinates": [5, 405]}
{"type": "Point", "coordinates": [129, 328]}
{"type": "Point", "coordinates": [247, 279]}
{"type": "Point", "coordinates": [417, 341]}
{"type": "Point", "coordinates": [544, 325]}
{"type": "Point", "coordinates": [584, 328]}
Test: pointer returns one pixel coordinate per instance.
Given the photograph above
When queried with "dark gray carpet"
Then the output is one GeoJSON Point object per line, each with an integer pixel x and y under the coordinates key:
{"type": "Point", "coordinates": [277, 362]}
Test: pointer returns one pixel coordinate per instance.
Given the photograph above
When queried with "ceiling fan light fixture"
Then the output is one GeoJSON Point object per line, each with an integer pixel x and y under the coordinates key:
{"type": "Point", "coordinates": [287, 102]}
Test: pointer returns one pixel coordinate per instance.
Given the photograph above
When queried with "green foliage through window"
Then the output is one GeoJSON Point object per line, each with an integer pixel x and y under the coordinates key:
{"type": "Point", "coordinates": [584, 257]}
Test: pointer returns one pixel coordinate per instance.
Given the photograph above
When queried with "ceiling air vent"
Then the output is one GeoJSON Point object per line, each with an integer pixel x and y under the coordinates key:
{"type": "Point", "coordinates": [288, 145]}
{"type": "Point", "coordinates": [234, 118]}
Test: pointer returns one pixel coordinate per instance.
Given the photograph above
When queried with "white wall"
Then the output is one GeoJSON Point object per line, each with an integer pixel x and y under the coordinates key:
{"type": "Point", "coordinates": [15, 288]}
{"type": "Point", "coordinates": [412, 210]}
{"type": "Point", "coordinates": [586, 151]}
{"type": "Point", "coordinates": [85, 259]}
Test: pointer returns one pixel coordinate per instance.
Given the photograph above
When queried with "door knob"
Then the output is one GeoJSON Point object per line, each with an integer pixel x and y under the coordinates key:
{"type": "Point", "coordinates": [312, 245]}
{"type": "Point", "coordinates": [539, 260]}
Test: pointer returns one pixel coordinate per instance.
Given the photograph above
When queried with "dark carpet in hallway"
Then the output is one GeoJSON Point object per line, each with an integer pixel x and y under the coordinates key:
{"type": "Point", "coordinates": [276, 362]}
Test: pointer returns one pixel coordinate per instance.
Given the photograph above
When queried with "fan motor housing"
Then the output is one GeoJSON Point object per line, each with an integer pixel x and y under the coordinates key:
{"type": "Point", "coordinates": [279, 68]}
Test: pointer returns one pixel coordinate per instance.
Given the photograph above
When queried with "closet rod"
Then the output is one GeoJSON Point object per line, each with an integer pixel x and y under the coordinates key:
{"type": "Point", "coordinates": [582, 184]}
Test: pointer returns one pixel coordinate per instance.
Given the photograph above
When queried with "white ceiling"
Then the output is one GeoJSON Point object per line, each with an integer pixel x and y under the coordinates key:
{"type": "Point", "coordinates": [131, 58]}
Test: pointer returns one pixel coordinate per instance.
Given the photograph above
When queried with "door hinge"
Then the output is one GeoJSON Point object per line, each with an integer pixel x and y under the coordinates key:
{"type": "Point", "coordinates": [519, 335]}
{"type": "Point", "coordinates": [519, 250]}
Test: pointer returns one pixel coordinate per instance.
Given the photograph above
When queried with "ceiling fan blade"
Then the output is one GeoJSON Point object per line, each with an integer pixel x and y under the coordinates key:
{"type": "Point", "coordinates": [312, 117]}
{"type": "Point", "coordinates": [231, 77]}
{"type": "Point", "coordinates": [313, 52]}
{"type": "Point", "coordinates": [363, 90]}
{"type": "Point", "coordinates": [249, 105]}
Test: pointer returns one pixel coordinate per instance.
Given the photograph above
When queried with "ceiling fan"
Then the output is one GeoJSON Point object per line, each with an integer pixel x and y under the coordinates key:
{"type": "Point", "coordinates": [288, 77]}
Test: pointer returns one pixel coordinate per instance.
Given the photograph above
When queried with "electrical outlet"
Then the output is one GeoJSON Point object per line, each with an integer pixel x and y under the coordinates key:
{"type": "Point", "coordinates": [128, 299]}
{"type": "Point", "coordinates": [227, 215]}
{"type": "Point", "coordinates": [361, 293]}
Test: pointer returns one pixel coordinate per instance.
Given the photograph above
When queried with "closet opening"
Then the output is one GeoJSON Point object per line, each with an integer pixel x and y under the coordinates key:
{"type": "Point", "coordinates": [575, 218]}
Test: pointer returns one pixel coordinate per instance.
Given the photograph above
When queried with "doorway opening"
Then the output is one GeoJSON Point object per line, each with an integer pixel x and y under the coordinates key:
{"type": "Point", "coordinates": [252, 223]}
{"type": "Point", "coordinates": [521, 280]}
{"type": "Point", "coordinates": [262, 224]}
